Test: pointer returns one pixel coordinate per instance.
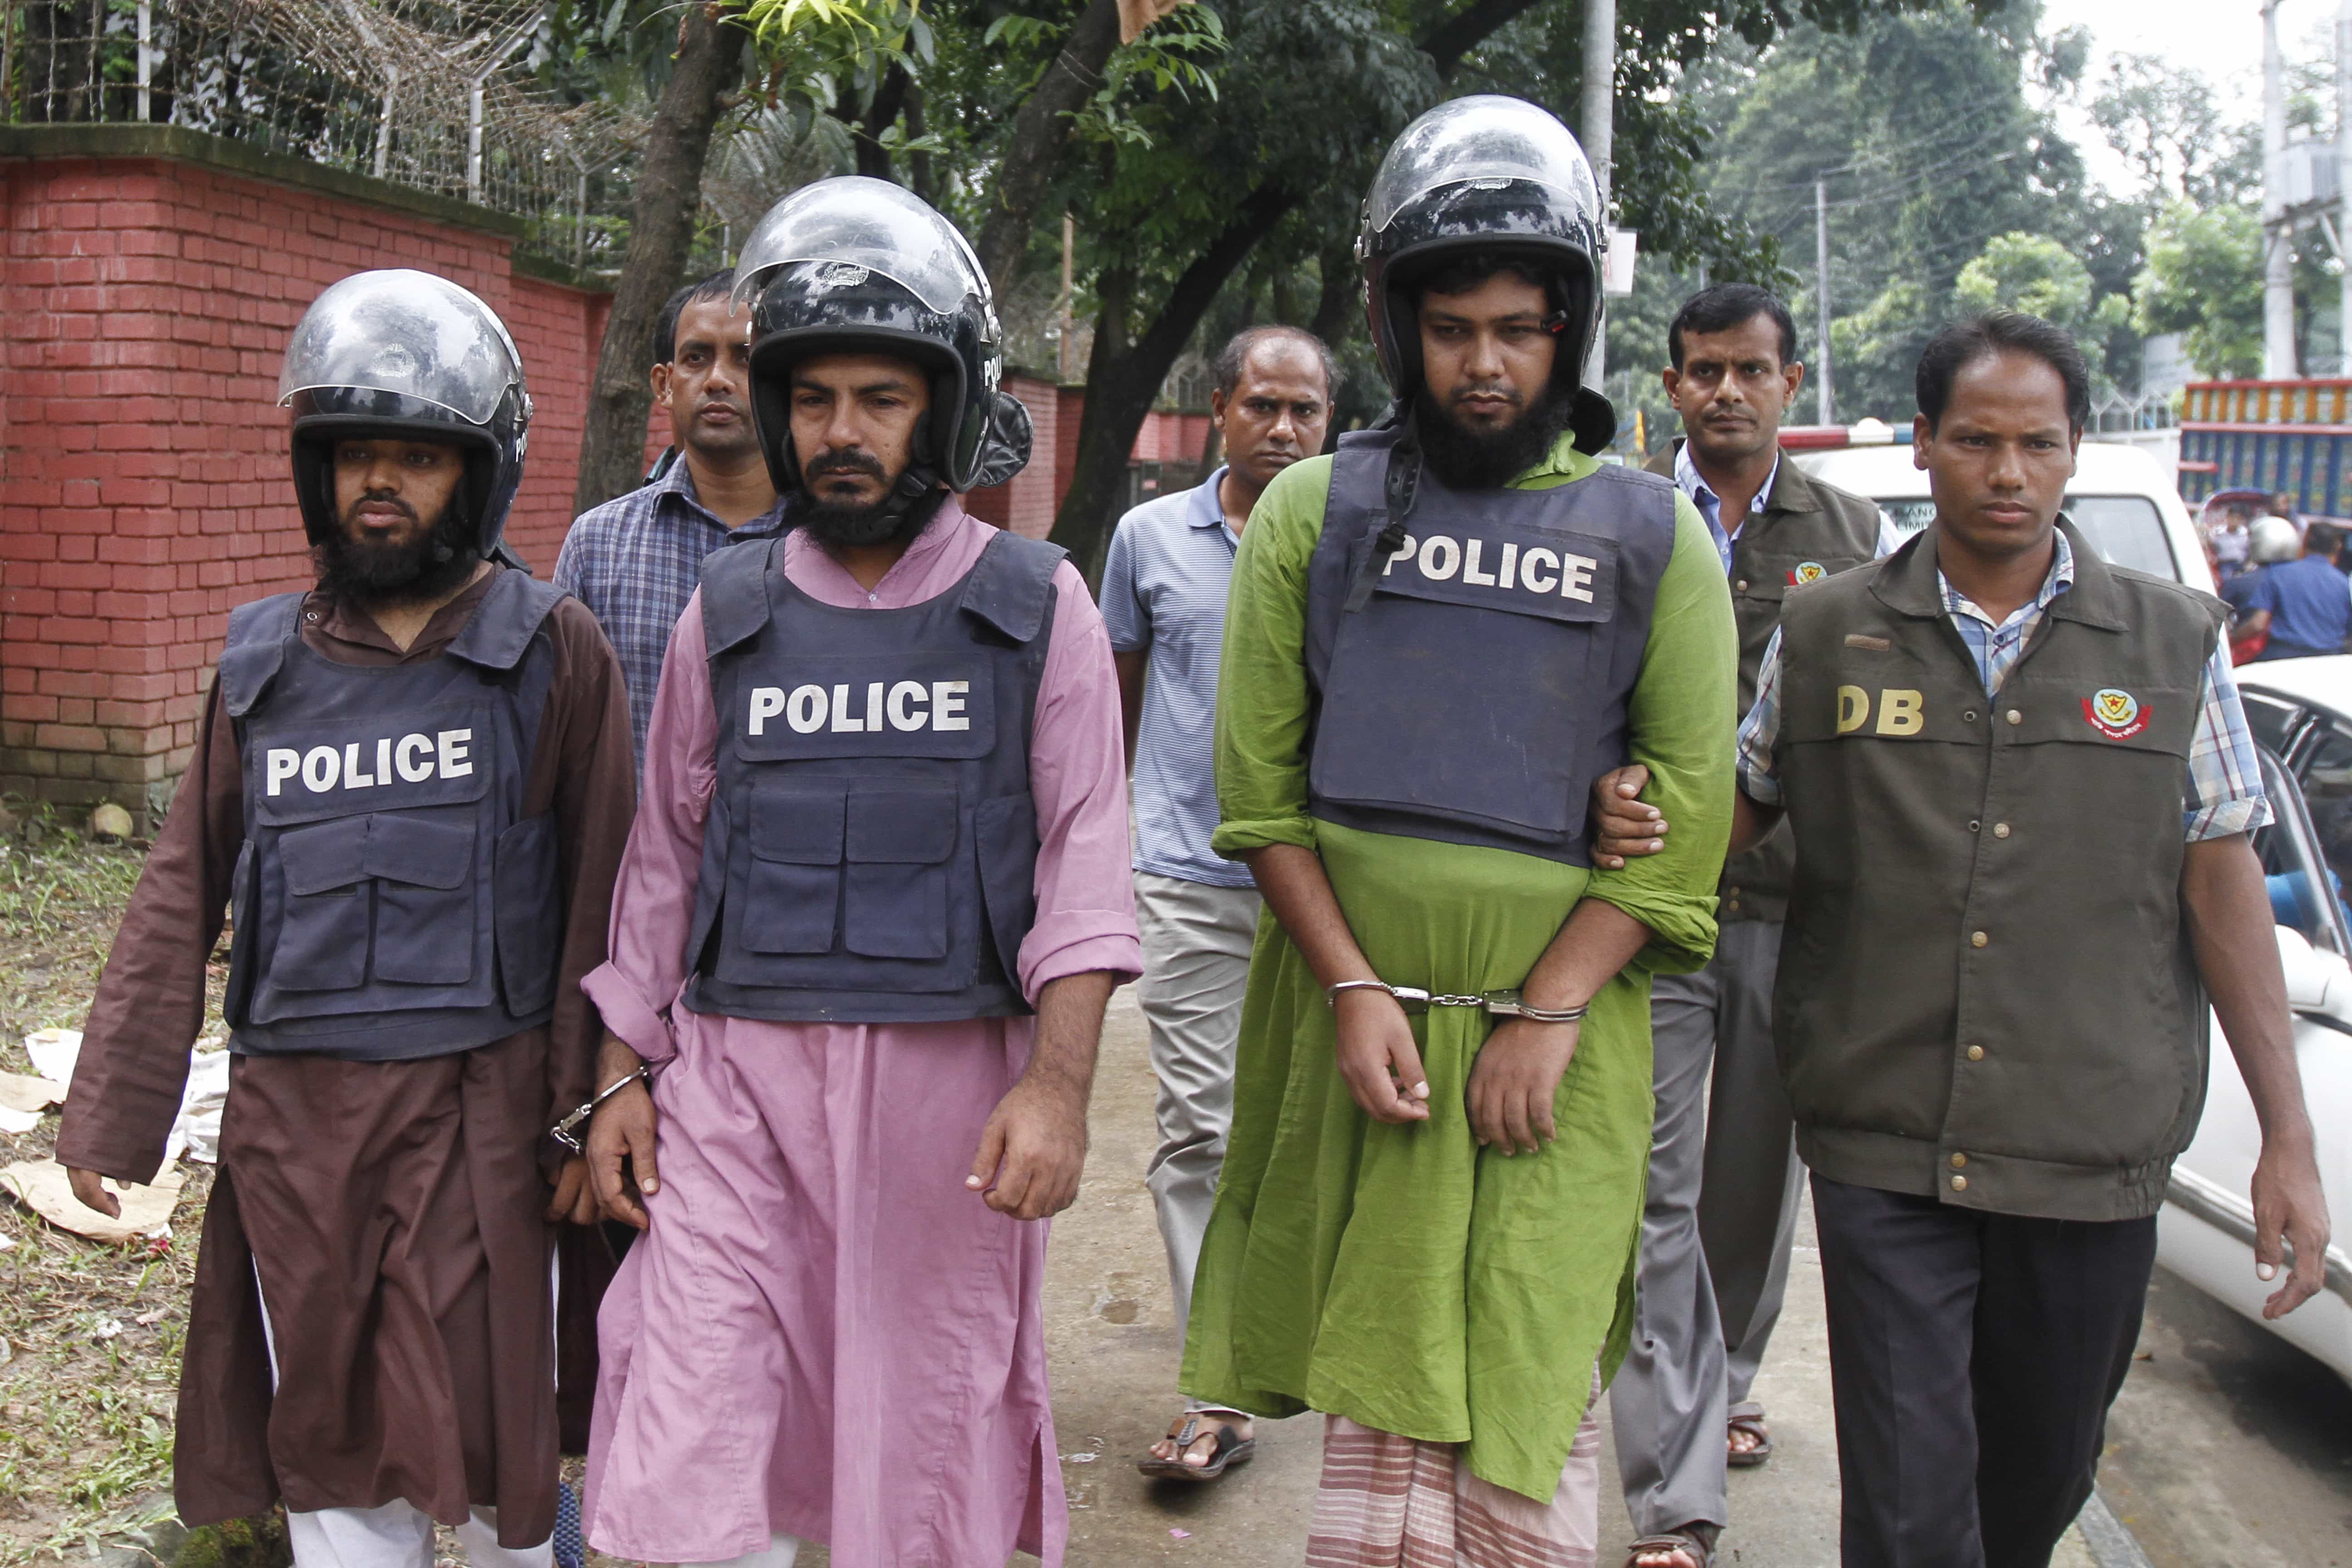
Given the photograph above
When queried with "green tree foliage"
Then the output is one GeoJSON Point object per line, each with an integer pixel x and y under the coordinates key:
{"type": "Point", "coordinates": [2204, 281]}
{"type": "Point", "coordinates": [2035, 273]}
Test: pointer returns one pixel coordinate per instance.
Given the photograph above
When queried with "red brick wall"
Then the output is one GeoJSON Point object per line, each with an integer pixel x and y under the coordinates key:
{"type": "Point", "coordinates": [142, 459]}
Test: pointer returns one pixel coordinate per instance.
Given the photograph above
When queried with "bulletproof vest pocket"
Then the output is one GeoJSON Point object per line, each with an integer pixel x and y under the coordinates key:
{"type": "Point", "coordinates": [896, 899]}
{"type": "Point", "coordinates": [530, 911]}
{"type": "Point", "coordinates": [322, 941]}
{"type": "Point", "coordinates": [425, 903]}
{"type": "Point", "coordinates": [792, 894]}
{"type": "Point", "coordinates": [385, 897]}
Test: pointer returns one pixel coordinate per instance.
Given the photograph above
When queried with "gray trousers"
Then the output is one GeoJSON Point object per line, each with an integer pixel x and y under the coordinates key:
{"type": "Point", "coordinates": [1725, 1184]}
{"type": "Point", "coordinates": [1196, 954]}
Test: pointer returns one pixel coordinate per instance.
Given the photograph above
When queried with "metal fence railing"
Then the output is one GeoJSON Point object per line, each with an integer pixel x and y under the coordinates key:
{"type": "Point", "coordinates": [430, 94]}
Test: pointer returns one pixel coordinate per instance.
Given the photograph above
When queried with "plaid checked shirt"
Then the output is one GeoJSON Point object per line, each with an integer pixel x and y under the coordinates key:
{"type": "Point", "coordinates": [2225, 779]}
{"type": "Point", "coordinates": [634, 561]}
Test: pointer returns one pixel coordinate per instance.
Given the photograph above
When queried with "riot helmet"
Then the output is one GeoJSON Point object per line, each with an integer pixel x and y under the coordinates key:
{"type": "Point", "coordinates": [406, 355]}
{"type": "Point", "coordinates": [1493, 176]}
{"type": "Point", "coordinates": [849, 265]}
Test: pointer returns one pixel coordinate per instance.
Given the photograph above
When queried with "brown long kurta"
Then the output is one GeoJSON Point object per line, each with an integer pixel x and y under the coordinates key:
{"type": "Point", "coordinates": [393, 1209]}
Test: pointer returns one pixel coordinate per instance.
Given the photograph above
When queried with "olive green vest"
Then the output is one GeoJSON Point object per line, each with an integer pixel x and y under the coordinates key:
{"type": "Point", "coordinates": [1986, 991]}
{"type": "Point", "coordinates": [1808, 530]}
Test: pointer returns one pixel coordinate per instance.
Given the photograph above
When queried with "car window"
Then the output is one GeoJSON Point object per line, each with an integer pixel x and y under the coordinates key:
{"type": "Point", "coordinates": [2310, 841]}
{"type": "Point", "coordinates": [2268, 719]}
{"type": "Point", "coordinates": [2127, 531]}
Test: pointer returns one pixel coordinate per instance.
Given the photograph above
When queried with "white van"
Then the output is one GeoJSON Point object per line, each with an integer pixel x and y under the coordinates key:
{"type": "Point", "coordinates": [2120, 499]}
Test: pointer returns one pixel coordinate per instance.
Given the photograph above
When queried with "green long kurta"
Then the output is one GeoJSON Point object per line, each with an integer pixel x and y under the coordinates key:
{"type": "Point", "coordinates": [1400, 1275]}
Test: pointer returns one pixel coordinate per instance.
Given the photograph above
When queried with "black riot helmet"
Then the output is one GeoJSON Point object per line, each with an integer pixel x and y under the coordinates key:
{"type": "Point", "coordinates": [854, 265]}
{"type": "Point", "coordinates": [1493, 177]}
{"type": "Point", "coordinates": [406, 355]}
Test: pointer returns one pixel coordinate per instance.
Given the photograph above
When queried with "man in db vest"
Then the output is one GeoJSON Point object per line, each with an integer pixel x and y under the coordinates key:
{"type": "Point", "coordinates": [869, 919]}
{"type": "Point", "coordinates": [1725, 1181]}
{"type": "Point", "coordinates": [408, 788]}
{"type": "Point", "coordinates": [1438, 639]}
{"type": "Point", "coordinates": [2021, 788]}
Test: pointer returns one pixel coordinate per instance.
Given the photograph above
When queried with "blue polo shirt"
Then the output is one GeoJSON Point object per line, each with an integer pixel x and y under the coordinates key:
{"type": "Point", "coordinates": [1163, 590]}
{"type": "Point", "coordinates": [2310, 604]}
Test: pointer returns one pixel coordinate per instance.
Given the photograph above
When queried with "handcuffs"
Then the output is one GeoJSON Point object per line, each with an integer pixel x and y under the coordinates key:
{"type": "Point", "coordinates": [1498, 1003]}
{"type": "Point", "coordinates": [563, 1131]}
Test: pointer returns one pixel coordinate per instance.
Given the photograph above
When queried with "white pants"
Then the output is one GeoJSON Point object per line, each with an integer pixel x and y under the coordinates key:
{"type": "Point", "coordinates": [397, 1536]}
{"type": "Point", "coordinates": [1196, 954]}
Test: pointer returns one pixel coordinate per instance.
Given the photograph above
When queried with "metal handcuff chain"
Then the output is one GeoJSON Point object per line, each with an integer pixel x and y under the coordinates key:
{"type": "Point", "coordinates": [566, 1132]}
{"type": "Point", "coordinates": [1498, 1003]}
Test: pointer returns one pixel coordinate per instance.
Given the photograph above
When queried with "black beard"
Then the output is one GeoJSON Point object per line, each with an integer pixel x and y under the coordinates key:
{"type": "Point", "coordinates": [888, 521]}
{"type": "Point", "coordinates": [429, 567]}
{"type": "Point", "coordinates": [1468, 459]}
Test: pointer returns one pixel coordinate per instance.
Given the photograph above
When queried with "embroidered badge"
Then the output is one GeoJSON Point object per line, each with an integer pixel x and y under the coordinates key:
{"type": "Point", "coordinates": [1807, 572]}
{"type": "Point", "coordinates": [2116, 714]}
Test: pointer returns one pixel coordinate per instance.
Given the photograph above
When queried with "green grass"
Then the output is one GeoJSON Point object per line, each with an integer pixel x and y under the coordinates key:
{"type": "Point", "coordinates": [91, 1333]}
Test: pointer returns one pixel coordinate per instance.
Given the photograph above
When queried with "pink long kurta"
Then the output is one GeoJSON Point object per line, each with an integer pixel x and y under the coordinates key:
{"type": "Point", "coordinates": [824, 1334]}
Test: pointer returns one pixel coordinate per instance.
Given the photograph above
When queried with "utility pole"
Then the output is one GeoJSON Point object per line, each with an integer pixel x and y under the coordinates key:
{"type": "Point", "coordinates": [2344, 182]}
{"type": "Point", "coordinates": [1600, 136]}
{"type": "Point", "coordinates": [2278, 231]}
{"type": "Point", "coordinates": [1826, 380]}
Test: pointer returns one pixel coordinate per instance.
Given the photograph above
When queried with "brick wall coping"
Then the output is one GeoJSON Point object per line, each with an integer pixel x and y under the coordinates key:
{"type": "Point", "coordinates": [180, 143]}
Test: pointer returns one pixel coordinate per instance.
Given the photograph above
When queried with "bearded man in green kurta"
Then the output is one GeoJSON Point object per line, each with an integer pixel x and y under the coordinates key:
{"type": "Point", "coordinates": [1437, 639]}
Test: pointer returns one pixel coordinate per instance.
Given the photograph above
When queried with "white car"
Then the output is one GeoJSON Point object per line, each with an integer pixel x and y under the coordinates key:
{"type": "Point", "coordinates": [2120, 499]}
{"type": "Point", "coordinates": [2301, 713]}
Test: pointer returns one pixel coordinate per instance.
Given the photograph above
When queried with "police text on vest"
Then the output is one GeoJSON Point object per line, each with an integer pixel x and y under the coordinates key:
{"type": "Point", "coordinates": [1535, 570]}
{"type": "Point", "coordinates": [414, 758]}
{"type": "Point", "coordinates": [907, 705]}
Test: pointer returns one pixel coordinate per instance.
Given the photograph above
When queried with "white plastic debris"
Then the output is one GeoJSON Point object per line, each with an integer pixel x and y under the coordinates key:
{"type": "Point", "coordinates": [53, 1052]}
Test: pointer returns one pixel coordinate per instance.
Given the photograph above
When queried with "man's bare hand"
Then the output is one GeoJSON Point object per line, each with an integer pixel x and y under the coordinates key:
{"type": "Point", "coordinates": [1377, 1057]}
{"type": "Point", "coordinates": [1033, 1150]}
{"type": "Point", "coordinates": [575, 1194]}
{"type": "Point", "coordinates": [1623, 826]}
{"type": "Point", "coordinates": [1514, 1081]}
{"type": "Point", "coordinates": [89, 1188]}
{"type": "Point", "coordinates": [623, 1129]}
{"type": "Point", "coordinates": [2289, 1204]}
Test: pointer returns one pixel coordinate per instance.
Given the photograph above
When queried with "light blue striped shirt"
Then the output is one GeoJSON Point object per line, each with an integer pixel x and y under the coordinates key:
{"type": "Point", "coordinates": [1163, 590]}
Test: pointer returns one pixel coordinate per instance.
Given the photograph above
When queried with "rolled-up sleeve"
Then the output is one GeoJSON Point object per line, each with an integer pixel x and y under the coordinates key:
{"type": "Point", "coordinates": [1262, 697]}
{"type": "Point", "coordinates": [1680, 723]}
{"type": "Point", "coordinates": [1078, 777]}
{"type": "Point", "coordinates": [652, 900]}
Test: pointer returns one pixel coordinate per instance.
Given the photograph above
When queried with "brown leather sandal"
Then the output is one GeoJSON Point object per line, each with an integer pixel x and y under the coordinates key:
{"type": "Point", "coordinates": [1695, 1541]}
{"type": "Point", "coordinates": [1229, 1449]}
{"type": "Point", "coordinates": [1747, 1418]}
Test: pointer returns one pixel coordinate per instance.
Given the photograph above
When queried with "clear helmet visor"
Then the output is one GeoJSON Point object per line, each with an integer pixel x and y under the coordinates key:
{"type": "Point", "coordinates": [405, 332]}
{"type": "Point", "coordinates": [857, 225]}
{"type": "Point", "coordinates": [1485, 138]}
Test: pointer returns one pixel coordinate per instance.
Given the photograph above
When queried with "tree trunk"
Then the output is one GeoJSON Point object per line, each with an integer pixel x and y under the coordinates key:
{"type": "Point", "coordinates": [866, 130]}
{"type": "Point", "coordinates": [661, 235]}
{"type": "Point", "coordinates": [1123, 378]}
{"type": "Point", "coordinates": [1040, 130]}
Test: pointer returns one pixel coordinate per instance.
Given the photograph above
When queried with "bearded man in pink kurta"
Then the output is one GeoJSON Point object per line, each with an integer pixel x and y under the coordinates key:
{"type": "Point", "coordinates": [870, 912]}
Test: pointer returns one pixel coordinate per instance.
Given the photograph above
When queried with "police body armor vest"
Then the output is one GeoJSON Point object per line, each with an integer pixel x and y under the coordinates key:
{"type": "Point", "coordinates": [1481, 688]}
{"type": "Point", "coordinates": [392, 901]}
{"type": "Point", "coordinates": [871, 851]}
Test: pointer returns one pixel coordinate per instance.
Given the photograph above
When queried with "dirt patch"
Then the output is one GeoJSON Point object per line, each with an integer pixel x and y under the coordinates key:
{"type": "Point", "coordinates": [89, 1334]}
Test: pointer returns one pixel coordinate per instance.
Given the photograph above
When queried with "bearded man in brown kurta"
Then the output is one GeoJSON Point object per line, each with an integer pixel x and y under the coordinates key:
{"type": "Point", "coordinates": [411, 789]}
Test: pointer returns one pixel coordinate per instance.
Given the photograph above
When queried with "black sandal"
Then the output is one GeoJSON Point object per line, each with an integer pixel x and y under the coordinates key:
{"type": "Point", "coordinates": [1229, 1450]}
